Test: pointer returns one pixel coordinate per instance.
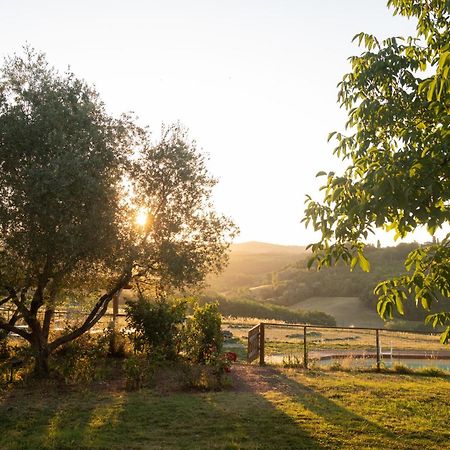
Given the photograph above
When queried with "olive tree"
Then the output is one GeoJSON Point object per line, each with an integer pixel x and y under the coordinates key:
{"type": "Point", "coordinates": [72, 181]}
{"type": "Point", "coordinates": [398, 149]}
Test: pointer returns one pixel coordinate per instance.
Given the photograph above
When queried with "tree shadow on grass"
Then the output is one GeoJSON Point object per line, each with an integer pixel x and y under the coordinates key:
{"type": "Point", "coordinates": [219, 420]}
{"type": "Point", "coordinates": [42, 416]}
{"type": "Point", "coordinates": [265, 409]}
{"type": "Point", "coordinates": [338, 421]}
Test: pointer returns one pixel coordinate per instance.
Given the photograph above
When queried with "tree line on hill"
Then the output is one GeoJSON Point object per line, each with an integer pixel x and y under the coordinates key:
{"type": "Point", "coordinates": [244, 307]}
{"type": "Point", "coordinates": [296, 283]}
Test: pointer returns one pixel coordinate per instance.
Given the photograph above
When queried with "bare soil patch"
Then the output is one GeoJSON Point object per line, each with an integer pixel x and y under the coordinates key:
{"type": "Point", "coordinates": [260, 379]}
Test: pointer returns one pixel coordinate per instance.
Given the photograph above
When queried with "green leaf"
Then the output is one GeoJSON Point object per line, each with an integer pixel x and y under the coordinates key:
{"type": "Point", "coordinates": [399, 305]}
{"type": "Point", "coordinates": [445, 336]}
{"type": "Point", "coordinates": [363, 262]}
{"type": "Point", "coordinates": [330, 136]}
{"type": "Point", "coordinates": [425, 302]}
{"type": "Point", "coordinates": [431, 88]}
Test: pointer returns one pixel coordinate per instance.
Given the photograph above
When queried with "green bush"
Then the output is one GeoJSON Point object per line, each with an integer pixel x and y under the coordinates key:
{"type": "Point", "coordinates": [162, 332]}
{"type": "Point", "coordinates": [402, 369]}
{"type": "Point", "coordinates": [157, 327]}
{"type": "Point", "coordinates": [76, 361]}
{"type": "Point", "coordinates": [116, 342]}
{"type": "Point", "coordinates": [138, 372]}
{"type": "Point", "coordinates": [203, 337]}
{"type": "Point", "coordinates": [4, 347]}
{"type": "Point", "coordinates": [203, 377]}
{"type": "Point", "coordinates": [431, 372]}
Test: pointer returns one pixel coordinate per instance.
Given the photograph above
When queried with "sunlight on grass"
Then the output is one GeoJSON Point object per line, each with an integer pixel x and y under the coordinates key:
{"type": "Point", "coordinates": [312, 410]}
{"type": "Point", "coordinates": [323, 419]}
{"type": "Point", "coordinates": [291, 407]}
{"type": "Point", "coordinates": [53, 428]}
{"type": "Point", "coordinates": [106, 413]}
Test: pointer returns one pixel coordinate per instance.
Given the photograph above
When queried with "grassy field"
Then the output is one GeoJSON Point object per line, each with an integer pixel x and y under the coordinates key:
{"type": "Point", "coordinates": [264, 408]}
{"type": "Point", "coordinates": [347, 311]}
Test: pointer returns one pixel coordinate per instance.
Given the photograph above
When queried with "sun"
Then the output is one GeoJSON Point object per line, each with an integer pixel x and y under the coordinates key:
{"type": "Point", "coordinates": [142, 218]}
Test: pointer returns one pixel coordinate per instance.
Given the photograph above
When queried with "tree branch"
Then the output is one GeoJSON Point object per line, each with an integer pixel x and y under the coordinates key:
{"type": "Point", "coordinates": [50, 306]}
{"type": "Point", "coordinates": [95, 315]}
{"type": "Point", "coordinates": [48, 315]}
{"type": "Point", "coordinates": [13, 329]}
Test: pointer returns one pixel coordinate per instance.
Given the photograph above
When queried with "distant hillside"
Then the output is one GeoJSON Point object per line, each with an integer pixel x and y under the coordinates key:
{"type": "Point", "coordinates": [252, 263]}
{"type": "Point", "coordinates": [277, 274]}
{"type": "Point", "coordinates": [348, 311]}
{"type": "Point", "coordinates": [264, 311]}
{"type": "Point", "coordinates": [296, 284]}
{"type": "Point", "coordinates": [255, 248]}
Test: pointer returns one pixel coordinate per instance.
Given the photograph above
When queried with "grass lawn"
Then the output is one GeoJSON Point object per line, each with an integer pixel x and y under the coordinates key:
{"type": "Point", "coordinates": [265, 408]}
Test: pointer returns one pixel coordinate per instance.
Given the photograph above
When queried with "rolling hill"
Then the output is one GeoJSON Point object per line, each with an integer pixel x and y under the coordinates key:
{"type": "Point", "coordinates": [252, 263]}
{"type": "Point", "coordinates": [277, 275]}
{"type": "Point", "coordinates": [348, 311]}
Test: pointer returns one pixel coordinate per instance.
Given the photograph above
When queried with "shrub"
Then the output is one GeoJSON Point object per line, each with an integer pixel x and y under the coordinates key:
{"type": "Point", "coordinates": [4, 347]}
{"type": "Point", "coordinates": [138, 372]}
{"type": "Point", "coordinates": [204, 337]}
{"type": "Point", "coordinates": [161, 331]}
{"type": "Point", "coordinates": [402, 369]}
{"type": "Point", "coordinates": [116, 342]}
{"type": "Point", "coordinates": [76, 360]}
{"type": "Point", "coordinates": [156, 326]}
{"type": "Point", "coordinates": [206, 377]}
{"type": "Point", "coordinates": [431, 372]}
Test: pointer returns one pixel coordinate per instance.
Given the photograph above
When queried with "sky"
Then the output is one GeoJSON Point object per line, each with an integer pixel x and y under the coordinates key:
{"type": "Point", "coordinates": [254, 81]}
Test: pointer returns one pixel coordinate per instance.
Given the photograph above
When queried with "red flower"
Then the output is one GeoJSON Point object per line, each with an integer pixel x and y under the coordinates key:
{"type": "Point", "coordinates": [231, 356]}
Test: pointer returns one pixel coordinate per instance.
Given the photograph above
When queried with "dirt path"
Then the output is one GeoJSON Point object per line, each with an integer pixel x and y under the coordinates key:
{"type": "Point", "coordinates": [257, 379]}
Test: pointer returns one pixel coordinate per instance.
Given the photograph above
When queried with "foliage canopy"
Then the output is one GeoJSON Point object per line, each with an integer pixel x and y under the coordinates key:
{"type": "Point", "coordinates": [73, 179]}
{"type": "Point", "coordinates": [398, 102]}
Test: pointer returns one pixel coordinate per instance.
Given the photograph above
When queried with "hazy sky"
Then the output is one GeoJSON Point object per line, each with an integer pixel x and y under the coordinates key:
{"type": "Point", "coordinates": [253, 80]}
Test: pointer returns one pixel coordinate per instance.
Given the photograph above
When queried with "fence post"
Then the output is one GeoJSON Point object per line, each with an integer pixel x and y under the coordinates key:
{"type": "Point", "coordinates": [261, 344]}
{"type": "Point", "coordinates": [305, 350]}
{"type": "Point", "coordinates": [378, 350]}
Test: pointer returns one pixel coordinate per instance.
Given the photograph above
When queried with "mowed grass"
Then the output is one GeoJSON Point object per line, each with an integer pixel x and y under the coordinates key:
{"type": "Point", "coordinates": [268, 408]}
